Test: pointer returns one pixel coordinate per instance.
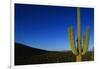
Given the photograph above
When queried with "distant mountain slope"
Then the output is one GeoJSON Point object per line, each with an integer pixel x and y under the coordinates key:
{"type": "Point", "coordinates": [25, 55]}
{"type": "Point", "coordinates": [24, 50]}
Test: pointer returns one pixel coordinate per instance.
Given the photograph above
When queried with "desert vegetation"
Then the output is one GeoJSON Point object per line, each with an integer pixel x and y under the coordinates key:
{"type": "Point", "coordinates": [38, 56]}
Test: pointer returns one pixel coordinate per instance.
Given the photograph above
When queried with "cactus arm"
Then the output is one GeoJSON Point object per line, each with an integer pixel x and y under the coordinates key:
{"type": "Point", "coordinates": [86, 41]}
{"type": "Point", "coordinates": [72, 41]}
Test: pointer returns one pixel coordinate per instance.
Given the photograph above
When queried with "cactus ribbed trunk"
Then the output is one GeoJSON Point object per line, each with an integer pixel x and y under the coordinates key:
{"type": "Point", "coordinates": [79, 57]}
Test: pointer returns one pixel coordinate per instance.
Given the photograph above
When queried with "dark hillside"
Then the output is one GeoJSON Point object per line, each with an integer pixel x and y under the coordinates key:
{"type": "Point", "coordinates": [23, 50]}
{"type": "Point", "coordinates": [25, 55]}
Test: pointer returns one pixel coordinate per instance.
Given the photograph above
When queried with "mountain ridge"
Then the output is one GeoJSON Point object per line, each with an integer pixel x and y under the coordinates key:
{"type": "Point", "coordinates": [24, 50]}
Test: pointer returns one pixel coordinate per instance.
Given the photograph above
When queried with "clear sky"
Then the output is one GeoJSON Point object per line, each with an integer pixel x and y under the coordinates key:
{"type": "Point", "coordinates": [46, 27]}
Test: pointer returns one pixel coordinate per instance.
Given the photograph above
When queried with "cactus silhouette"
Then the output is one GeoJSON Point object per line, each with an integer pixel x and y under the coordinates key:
{"type": "Point", "coordinates": [82, 41]}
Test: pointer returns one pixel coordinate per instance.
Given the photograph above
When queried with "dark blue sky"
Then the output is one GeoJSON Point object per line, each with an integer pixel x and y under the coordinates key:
{"type": "Point", "coordinates": [46, 27]}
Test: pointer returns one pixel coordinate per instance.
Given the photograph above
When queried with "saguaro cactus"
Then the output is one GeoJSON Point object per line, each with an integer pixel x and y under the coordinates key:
{"type": "Point", "coordinates": [82, 43]}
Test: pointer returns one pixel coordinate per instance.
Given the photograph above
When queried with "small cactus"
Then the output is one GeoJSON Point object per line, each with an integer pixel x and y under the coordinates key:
{"type": "Point", "coordinates": [82, 43]}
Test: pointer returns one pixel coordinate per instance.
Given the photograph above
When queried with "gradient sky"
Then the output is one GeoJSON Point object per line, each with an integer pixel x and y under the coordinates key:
{"type": "Point", "coordinates": [46, 27]}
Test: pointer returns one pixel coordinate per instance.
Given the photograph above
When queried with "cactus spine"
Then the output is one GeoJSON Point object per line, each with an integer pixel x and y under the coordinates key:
{"type": "Point", "coordinates": [82, 43]}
